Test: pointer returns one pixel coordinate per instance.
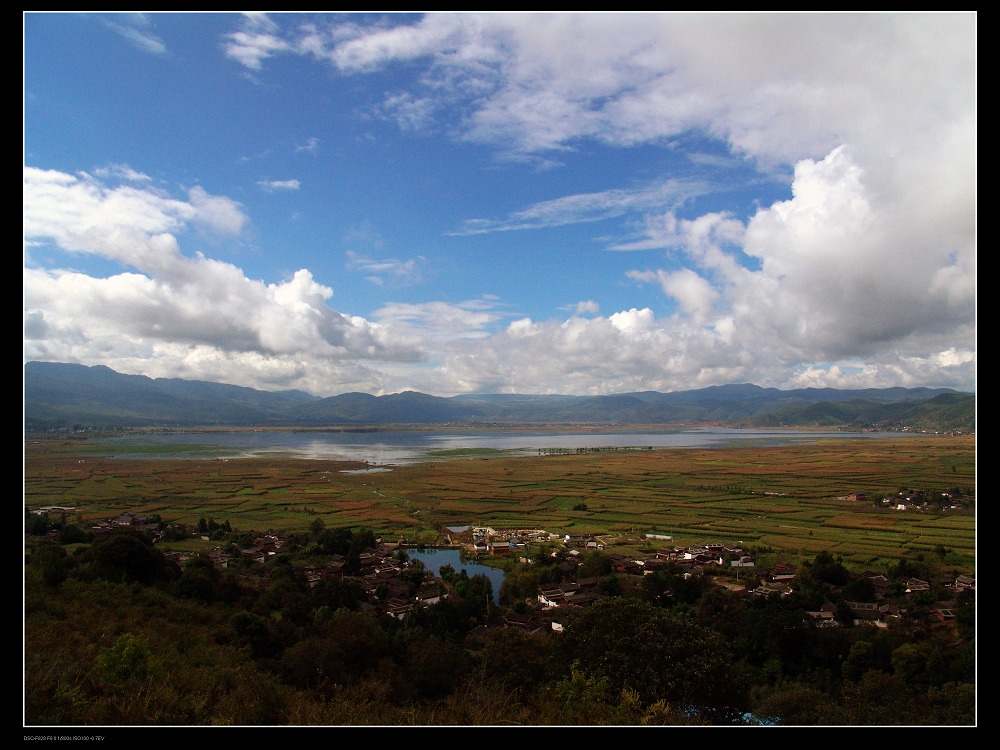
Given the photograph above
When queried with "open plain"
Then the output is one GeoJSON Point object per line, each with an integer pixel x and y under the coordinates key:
{"type": "Point", "coordinates": [788, 502]}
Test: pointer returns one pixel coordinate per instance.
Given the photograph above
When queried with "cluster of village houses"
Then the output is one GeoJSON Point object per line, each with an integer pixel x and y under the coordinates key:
{"type": "Point", "coordinates": [387, 592]}
{"type": "Point", "coordinates": [944, 501]}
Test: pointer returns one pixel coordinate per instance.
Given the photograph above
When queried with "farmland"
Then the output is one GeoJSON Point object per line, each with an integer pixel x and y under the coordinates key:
{"type": "Point", "coordinates": [787, 501]}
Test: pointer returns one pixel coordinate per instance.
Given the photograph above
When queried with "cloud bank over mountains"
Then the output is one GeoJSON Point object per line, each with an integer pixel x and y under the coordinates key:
{"type": "Point", "coordinates": [863, 275]}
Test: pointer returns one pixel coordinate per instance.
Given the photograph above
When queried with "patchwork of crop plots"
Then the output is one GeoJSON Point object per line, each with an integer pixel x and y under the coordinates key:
{"type": "Point", "coordinates": [789, 498]}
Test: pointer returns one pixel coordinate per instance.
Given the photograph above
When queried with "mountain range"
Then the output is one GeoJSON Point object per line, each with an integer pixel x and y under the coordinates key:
{"type": "Point", "coordinates": [67, 396]}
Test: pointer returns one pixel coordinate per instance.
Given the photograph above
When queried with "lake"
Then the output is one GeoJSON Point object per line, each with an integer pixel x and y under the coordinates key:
{"type": "Point", "coordinates": [434, 558]}
{"type": "Point", "coordinates": [383, 449]}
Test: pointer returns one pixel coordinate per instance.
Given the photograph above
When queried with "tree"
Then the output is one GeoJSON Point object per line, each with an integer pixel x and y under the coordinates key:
{"type": "Point", "coordinates": [965, 615]}
{"type": "Point", "coordinates": [953, 704]}
{"type": "Point", "coordinates": [829, 570]}
{"type": "Point", "coordinates": [844, 614]}
{"type": "Point", "coordinates": [866, 656]}
{"type": "Point", "coordinates": [435, 667]}
{"type": "Point", "coordinates": [595, 564]}
{"type": "Point", "coordinates": [37, 525]}
{"type": "Point", "coordinates": [312, 664]}
{"type": "Point", "coordinates": [198, 581]}
{"type": "Point", "coordinates": [909, 663]}
{"type": "Point", "coordinates": [72, 534]}
{"type": "Point", "coordinates": [175, 532]}
{"type": "Point", "coordinates": [340, 652]}
{"type": "Point", "coordinates": [583, 699]}
{"type": "Point", "coordinates": [51, 561]}
{"type": "Point", "coordinates": [360, 639]}
{"type": "Point", "coordinates": [335, 594]}
{"type": "Point", "coordinates": [792, 704]}
{"type": "Point", "coordinates": [610, 585]}
{"type": "Point", "coordinates": [719, 608]}
{"type": "Point", "coordinates": [447, 573]}
{"type": "Point", "coordinates": [447, 620]}
{"type": "Point", "coordinates": [907, 568]}
{"type": "Point", "coordinates": [335, 541]}
{"type": "Point", "coordinates": [128, 556]}
{"type": "Point", "coordinates": [860, 589]}
{"type": "Point", "coordinates": [771, 632]}
{"type": "Point", "coordinates": [282, 571]}
{"type": "Point", "coordinates": [127, 659]}
{"type": "Point", "coordinates": [518, 586]}
{"type": "Point", "coordinates": [477, 593]}
{"type": "Point", "coordinates": [880, 699]}
{"type": "Point", "coordinates": [253, 631]}
{"type": "Point", "coordinates": [658, 654]}
{"type": "Point", "coordinates": [668, 587]}
{"type": "Point", "coordinates": [413, 576]}
{"type": "Point", "coordinates": [519, 656]}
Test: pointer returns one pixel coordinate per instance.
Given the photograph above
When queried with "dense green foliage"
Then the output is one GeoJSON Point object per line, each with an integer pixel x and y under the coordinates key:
{"type": "Point", "coordinates": [116, 634]}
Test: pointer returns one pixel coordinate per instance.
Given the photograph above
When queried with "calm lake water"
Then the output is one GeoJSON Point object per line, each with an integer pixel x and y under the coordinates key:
{"type": "Point", "coordinates": [433, 559]}
{"type": "Point", "coordinates": [384, 449]}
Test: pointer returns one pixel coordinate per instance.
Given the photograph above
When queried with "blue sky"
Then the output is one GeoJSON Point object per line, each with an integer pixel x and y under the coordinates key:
{"type": "Point", "coordinates": [585, 203]}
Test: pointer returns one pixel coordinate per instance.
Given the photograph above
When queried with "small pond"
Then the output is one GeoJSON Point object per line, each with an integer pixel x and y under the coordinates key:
{"type": "Point", "coordinates": [434, 558]}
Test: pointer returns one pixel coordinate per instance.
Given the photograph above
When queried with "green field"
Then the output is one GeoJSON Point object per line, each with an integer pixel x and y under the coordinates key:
{"type": "Point", "coordinates": [788, 499]}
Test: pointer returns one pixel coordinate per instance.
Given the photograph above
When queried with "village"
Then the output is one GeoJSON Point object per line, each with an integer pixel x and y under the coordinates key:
{"type": "Point", "coordinates": [384, 572]}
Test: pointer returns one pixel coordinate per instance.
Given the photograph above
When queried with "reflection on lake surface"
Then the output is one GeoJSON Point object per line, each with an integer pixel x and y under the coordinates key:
{"type": "Point", "coordinates": [398, 447]}
{"type": "Point", "coordinates": [433, 559]}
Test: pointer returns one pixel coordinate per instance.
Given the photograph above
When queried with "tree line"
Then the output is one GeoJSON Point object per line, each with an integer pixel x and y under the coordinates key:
{"type": "Point", "coordinates": [118, 634]}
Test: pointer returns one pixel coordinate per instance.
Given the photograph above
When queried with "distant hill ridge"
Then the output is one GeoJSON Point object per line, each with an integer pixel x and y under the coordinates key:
{"type": "Point", "coordinates": [61, 395]}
